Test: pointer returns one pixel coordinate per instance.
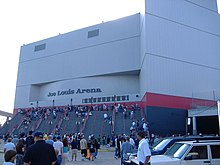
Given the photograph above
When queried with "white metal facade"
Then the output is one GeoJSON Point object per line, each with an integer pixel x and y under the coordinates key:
{"type": "Point", "coordinates": [172, 48]}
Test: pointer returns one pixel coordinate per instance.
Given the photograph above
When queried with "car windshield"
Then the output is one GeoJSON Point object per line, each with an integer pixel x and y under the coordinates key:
{"type": "Point", "coordinates": [161, 145]}
{"type": "Point", "coordinates": [177, 150]}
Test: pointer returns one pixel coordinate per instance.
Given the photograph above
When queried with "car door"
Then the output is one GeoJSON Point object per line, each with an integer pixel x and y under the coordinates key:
{"type": "Point", "coordinates": [215, 154]}
{"type": "Point", "coordinates": [198, 155]}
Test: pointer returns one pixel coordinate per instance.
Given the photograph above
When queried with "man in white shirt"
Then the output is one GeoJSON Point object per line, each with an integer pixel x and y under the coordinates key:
{"type": "Point", "coordinates": [9, 145]}
{"type": "Point", "coordinates": [58, 145]}
{"type": "Point", "coordinates": [144, 153]}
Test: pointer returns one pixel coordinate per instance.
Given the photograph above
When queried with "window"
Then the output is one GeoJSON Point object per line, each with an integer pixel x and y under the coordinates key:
{"type": "Point", "coordinates": [93, 33]}
{"type": "Point", "coordinates": [118, 98]}
{"type": "Point", "coordinates": [108, 99]}
{"type": "Point", "coordinates": [90, 100]}
{"type": "Point", "coordinates": [103, 99]}
{"type": "Point", "coordinates": [40, 47]}
{"type": "Point", "coordinates": [123, 98]}
{"type": "Point", "coordinates": [198, 152]}
{"type": "Point", "coordinates": [215, 149]}
{"type": "Point", "coordinates": [99, 99]}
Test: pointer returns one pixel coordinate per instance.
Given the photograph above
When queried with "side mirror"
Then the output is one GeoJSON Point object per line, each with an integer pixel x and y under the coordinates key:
{"type": "Point", "coordinates": [188, 157]}
{"type": "Point", "coordinates": [191, 155]}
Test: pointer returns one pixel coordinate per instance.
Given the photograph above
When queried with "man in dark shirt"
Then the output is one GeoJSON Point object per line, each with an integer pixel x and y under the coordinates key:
{"type": "Point", "coordinates": [40, 153]}
{"type": "Point", "coordinates": [29, 140]}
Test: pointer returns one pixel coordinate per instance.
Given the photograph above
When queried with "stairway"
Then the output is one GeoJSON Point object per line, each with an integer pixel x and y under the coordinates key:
{"type": "Point", "coordinates": [69, 126]}
{"type": "Point", "coordinates": [11, 124]}
{"type": "Point", "coordinates": [122, 125]}
{"type": "Point", "coordinates": [45, 126]}
{"type": "Point", "coordinates": [96, 124]}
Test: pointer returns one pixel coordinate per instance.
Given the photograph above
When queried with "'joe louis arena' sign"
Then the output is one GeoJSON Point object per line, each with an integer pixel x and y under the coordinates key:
{"type": "Point", "coordinates": [71, 92]}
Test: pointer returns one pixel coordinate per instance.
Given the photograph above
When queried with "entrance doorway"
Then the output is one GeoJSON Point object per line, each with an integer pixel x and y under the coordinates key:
{"type": "Point", "coordinates": [207, 125]}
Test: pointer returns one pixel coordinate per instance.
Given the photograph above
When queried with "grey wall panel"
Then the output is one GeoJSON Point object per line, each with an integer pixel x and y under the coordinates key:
{"type": "Point", "coordinates": [178, 78]}
{"type": "Point", "coordinates": [210, 4]}
{"type": "Point", "coordinates": [101, 59]}
{"type": "Point", "coordinates": [186, 13]}
{"type": "Point", "coordinates": [176, 41]}
{"type": "Point", "coordinates": [108, 32]}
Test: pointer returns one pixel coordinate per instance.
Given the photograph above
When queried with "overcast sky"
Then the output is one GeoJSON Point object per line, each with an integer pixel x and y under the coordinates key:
{"type": "Point", "coordinates": [26, 21]}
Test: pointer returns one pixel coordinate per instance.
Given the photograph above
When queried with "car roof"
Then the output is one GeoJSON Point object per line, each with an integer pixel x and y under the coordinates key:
{"type": "Point", "coordinates": [193, 137]}
{"type": "Point", "coordinates": [200, 142]}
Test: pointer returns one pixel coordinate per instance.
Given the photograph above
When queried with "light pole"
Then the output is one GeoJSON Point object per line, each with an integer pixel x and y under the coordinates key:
{"type": "Point", "coordinates": [218, 113]}
{"type": "Point", "coordinates": [53, 104]}
{"type": "Point", "coordinates": [91, 104]}
{"type": "Point", "coordinates": [37, 105]}
{"type": "Point", "coordinates": [114, 99]}
{"type": "Point", "coordinates": [71, 102]}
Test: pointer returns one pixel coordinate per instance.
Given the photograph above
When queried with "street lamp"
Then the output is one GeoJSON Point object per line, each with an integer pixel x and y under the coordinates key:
{"type": "Point", "coordinates": [71, 102]}
{"type": "Point", "coordinates": [91, 103]}
{"type": "Point", "coordinates": [218, 113]}
{"type": "Point", "coordinates": [114, 99]}
{"type": "Point", "coordinates": [53, 104]}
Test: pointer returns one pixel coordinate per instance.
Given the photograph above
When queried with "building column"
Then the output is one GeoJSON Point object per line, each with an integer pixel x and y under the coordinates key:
{"type": "Point", "coordinates": [194, 126]}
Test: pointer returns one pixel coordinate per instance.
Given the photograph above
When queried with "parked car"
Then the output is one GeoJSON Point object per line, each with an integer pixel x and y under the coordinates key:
{"type": "Point", "coordinates": [197, 152]}
{"type": "Point", "coordinates": [166, 143]}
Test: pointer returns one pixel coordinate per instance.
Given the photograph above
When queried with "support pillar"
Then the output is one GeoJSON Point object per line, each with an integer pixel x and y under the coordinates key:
{"type": "Point", "coordinates": [194, 126]}
{"type": "Point", "coordinates": [218, 110]}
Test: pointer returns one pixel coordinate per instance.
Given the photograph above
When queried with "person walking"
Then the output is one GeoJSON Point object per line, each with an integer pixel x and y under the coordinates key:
{"type": "Point", "coordinates": [126, 148]}
{"type": "Point", "coordinates": [143, 154]}
{"type": "Point", "coordinates": [29, 140]}
{"type": "Point", "coordinates": [83, 147]}
{"type": "Point", "coordinates": [65, 151]}
{"type": "Point", "coordinates": [9, 145]}
{"type": "Point", "coordinates": [9, 157]}
{"type": "Point", "coordinates": [92, 149]}
{"type": "Point", "coordinates": [50, 140]}
{"type": "Point", "coordinates": [20, 152]}
{"type": "Point", "coordinates": [40, 153]}
{"type": "Point", "coordinates": [74, 148]}
{"type": "Point", "coordinates": [58, 145]}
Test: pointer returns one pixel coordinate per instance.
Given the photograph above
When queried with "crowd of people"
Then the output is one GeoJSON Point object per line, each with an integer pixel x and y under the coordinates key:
{"type": "Point", "coordinates": [62, 149]}
{"type": "Point", "coordinates": [66, 146]}
{"type": "Point", "coordinates": [50, 113]}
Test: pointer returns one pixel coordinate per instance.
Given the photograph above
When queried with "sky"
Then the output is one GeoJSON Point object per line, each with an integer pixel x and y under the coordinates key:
{"type": "Point", "coordinates": [27, 21]}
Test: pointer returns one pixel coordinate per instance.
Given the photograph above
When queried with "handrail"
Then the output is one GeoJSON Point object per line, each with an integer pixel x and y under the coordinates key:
{"type": "Point", "coordinates": [17, 125]}
{"type": "Point", "coordinates": [113, 120]}
{"type": "Point", "coordinates": [59, 124]}
{"type": "Point", "coordinates": [84, 123]}
{"type": "Point", "coordinates": [93, 126]}
{"type": "Point", "coordinates": [37, 124]}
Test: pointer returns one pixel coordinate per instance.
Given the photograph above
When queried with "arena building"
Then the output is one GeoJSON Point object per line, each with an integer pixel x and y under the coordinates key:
{"type": "Point", "coordinates": [158, 57]}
